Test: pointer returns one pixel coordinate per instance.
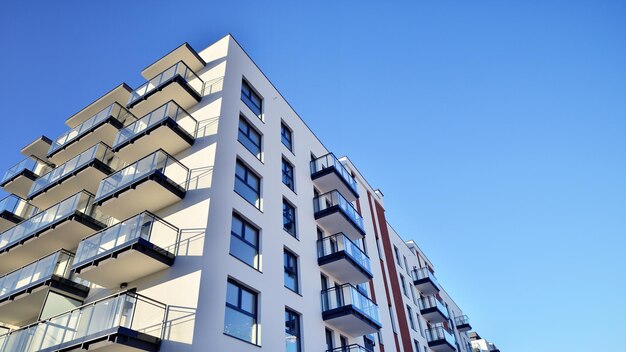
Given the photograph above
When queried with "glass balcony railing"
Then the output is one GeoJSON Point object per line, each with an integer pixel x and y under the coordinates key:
{"type": "Point", "coordinates": [178, 69]}
{"type": "Point", "coordinates": [17, 206]}
{"type": "Point", "coordinates": [461, 320]}
{"type": "Point", "coordinates": [169, 110]}
{"type": "Point", "coordinates": [100, 152]}
{"type": "Point", "coordinates": [55, 264]}
{"type": "Point", "coordinates": [334, 198]}
{"type": "Point", "coordinates": [81, 202]}
{"type": "Point", "coordinates": [340, 242]}
{"type": "Point", "coordinates": [350, 348]}
{"type": "Point", "coordinates": [440, 333]}
{"type": "Point", "coordinates": [424, 273]}
{"type": "Point", "coordinates": [115, 111]}
{"type": "Point", "coordinates": [32, 164]}
{"type": "Point", "coordinates": [329, 160]}
{"type": "Point", "coordinates": [144, 226]}
{"type": "Point", "coordinates": [92, 321]}
{"type": "Point", "coordinates": [159, 161]}
{"type": "Point", "coordinates": [348, 295]}
{"type": "Point", "coordinates": [433, 302]}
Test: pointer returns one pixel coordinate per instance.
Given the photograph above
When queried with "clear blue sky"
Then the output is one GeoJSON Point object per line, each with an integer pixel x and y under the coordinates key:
{"type": "Point", "coordinates": [496, 129]}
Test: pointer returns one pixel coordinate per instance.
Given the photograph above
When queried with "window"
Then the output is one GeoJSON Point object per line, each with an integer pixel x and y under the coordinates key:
{"type": "Point", "coordinates": [291, 270]}
{"type": "Point", "coordinates": [247, 184]}
{"type": "Point", "coordinates": [244, 241]}
{"type": "Point", "coordinates": [409, 312]}
{"type": "Point", "coordinates": [292, 331]}
{"type": "Point", "coordinates": [251, 98]}
{"type": "Point", "coordinates": [330, 344]}
{"type": "Point", "coordinates": [397, 253]}
{"type": "Point", "coordinates": [288, 174]}
{"type": "Point", "coordinates": [393, 321]}
{"type": "Point", "coordinates": [241, 313]}
{"type": "Point", "coordinates": [406, 266]}
{"type": "Point", "coordinates": [249, 137]}
{"type": "Point", "coordinates": [289, 218]}
{"type": "Point", "coordinates": [417, 346]}
{"type": "Point", "coordinates": [403, 285]}
{"type": "Point", "coordinates": [286, 136]}
{"type": "Point", "coordinates": [419, 323]}
{"type": "Point", "coordinates": [413, 294]}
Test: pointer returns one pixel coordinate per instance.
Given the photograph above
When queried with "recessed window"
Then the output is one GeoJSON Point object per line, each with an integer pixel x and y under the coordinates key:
{"type": "Point", "coordinates": [288, 174]}
{"type": "Point", "coordinates": [289, 218]}
{"type": "Point", "coordinates": [241, 313]}
{"type": "Point", "coordinates": [403, 283]}
{"type": "Point", "coordinates": [251, 98]}
{"type": "Point", "coordinates": [248, 184]}
{"type": "Point", "coordinates": [286, 136]}
{"type": "Point", "coordinates": [292, 331]}
{"type": "Point", "coordinates": [291, 270]}
{"type": "Point", "coordinates": [244, 241]}
{"type": "Point", "coordinates": [249, 137]}
{"type": "Point", "coordinates": [397, 253]}
{"type": "Point", "coordinates": [409, 312]}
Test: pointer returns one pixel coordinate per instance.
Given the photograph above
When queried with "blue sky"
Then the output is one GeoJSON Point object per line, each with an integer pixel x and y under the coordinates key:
{"type": "Point", "coordinates": [494, 128]}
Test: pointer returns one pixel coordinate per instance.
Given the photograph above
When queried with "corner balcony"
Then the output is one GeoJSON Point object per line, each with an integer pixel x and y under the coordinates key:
{"type": "Point", "coordinates": [341, 257]}
{"type": "Point", "coordinates": [20, 178]}
{"type": "Point", "coordinates": [425, 281]}
{"type": "Point", "coordinates": [124, 322]}
{"type": "Point", "coordinates": [349, 310]}
{"type": "Point", "coordinates": [23, 292]}
{"type": "Point", "coordinates": [127, 251]}
{"type": "Point", "coordinates": [101, 127]}
{"type": "Point", "coordinates": [433, 309]}
{"type": "Point", "coordinates": [14, 210]}
{"type": "Point", "coordinates": [462, 323]}
{"type": "Point", "coordinates": [37, 148]}
{"type": "Point", "coordinates": [169, 127]}
{"type": "Point", "coordinates": [61, 226]}
{"type": "Point", "coordinates": [440, 339]}
{"type": "Point", "coordinates": [328, 174]}
{"type": "Point", "coordinates": [350, 348]}
{"type": "Point", "coordinates": [178, 83]}
{"type": "Point", "coordinates": [83, 172]}
{"type": "Point", "coordinates": [335, 214]}
{"type": "Point", "coordinates": [152, 183]}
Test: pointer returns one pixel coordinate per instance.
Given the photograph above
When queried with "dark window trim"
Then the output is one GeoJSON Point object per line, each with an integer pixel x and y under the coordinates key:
{"type": "Point", "coordinates": [246, 134]}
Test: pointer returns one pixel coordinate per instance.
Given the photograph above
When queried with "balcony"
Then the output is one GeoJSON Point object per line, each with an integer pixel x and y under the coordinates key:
{"type": "Point", "coordinates": [440, 339]}
{"type": "Point", "coordinates": [20, 178]}
{"type": "Point", "coordinates": [37, 148]}
{"type": "Point", "coordinates": [350, 348]}
{"type": "Point", "coordinates": [152, 183]}
{"type": "Point", "coordinates": [341, 257]}
{"type": "Point", "coordinates": [124, 322]}
{"type": "Point", "coordinates": [23, 292]}
{"type": "Point", "coordinates": [83, 172]}
{"type": "Point", "coordinates": [127, 251]}
{"type": "Point", "coordinates": [119, 94]}
{"type": "Point", "coordinates": [328, 174]}
{"type": "Point", "coordinates": [462, 323]}
{"type": "Point", "coordinates": [101, 127]}
{"type": "Point", "coordinates": [335, 214]}
{"type": "Point", "coordinates": [349, 310]}
{"type": "Point", "coordinates": [425, 281]}
{"type": "Point", "coordinates": [169, 127]}
{"type": "Point", "coordinates": [178, 83]}
{"type": "Point", "coordinates": [61, 226]}
{"type": "Point", "coordinates": [433, 309]}
{"type": "Point", "coordinates": [14, 210]}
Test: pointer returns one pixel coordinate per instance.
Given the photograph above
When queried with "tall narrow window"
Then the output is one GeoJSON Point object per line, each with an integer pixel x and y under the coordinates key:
{"type": "Point", "coordinates": [291, 270]}
{"type": "Point", "coordinates": [397, 254]}
{"type": "Point", "coordinates": [247, 184]}
{"type": "Point", "coordinates": [286, 136]}
{"type": "Point", "coordinates": [289, 218]}
{"type": "Point", "coordinates": [241, 313]}
{"type": "Point", "coordinates": [249, 137]}
{"type": "Point", "coordinates": [251, 98]}
{"type": "Point", "coordinates": [409, 312]}
{"type": "Point", "coordinates": [417, 346]}
{"type": "Point", "coordinates": [292, 331]}
{"type": "Point", "coordinates": [330, 343]}
{"type": "Point", "coordinates": [406, 266]}
{"type": "Point", "coordinates": [244, 241]}
{"type": "Point", "coordinates": [288, 174]}
{"type": "Point", "coordinates": [403, 283]}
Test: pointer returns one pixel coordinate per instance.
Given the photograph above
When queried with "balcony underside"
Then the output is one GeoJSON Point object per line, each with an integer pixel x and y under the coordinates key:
{"type": "Point", "coordinates": [126, 264]}
{"type": "Point", "coordinates": [441, 346]}
{"type": "Point", "coordinates": [167, 135]}
{"type": "Point", "coordinates": [20, 184]}
{"type": "Point", "coordinates": [344, 268]}
{"type": "Point", "coordinates": [351, 321]}
{"type": "Point", "coordinates": [65, 233]}
{"type": "Point", "coordinates": [334, 220]}
{"type": "Point", "coordinates": [434, 315]}
{"type": "Point", "coordinates": [85, 178]}
{"type": "Point", "coordinates": [8, 220]}
{"type": "Point", "coordinates": [152, 192]}
{"type": "Point", "coordinates": [25, 305]}
{"type": "Point", "coordinates": [105, 131]}
{"type": "Point", "coordinates": [117, 339]}
{"type": "Point", "coordinates": [426, 286]}
{"type": "Point", "coordinates": [464, 327]}
{"type": "Point", "coordinates": [38, 148]}
{"type": "Point", "coordinates": [176, 88]}
{"type": "Point", "coordinates": [329, 179]}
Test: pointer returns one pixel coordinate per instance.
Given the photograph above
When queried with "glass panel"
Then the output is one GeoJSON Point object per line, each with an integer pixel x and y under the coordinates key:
{"type": "Point", "coordinates": [329, 160]}
{"type": "Point", "coordinates": [17, 206]}
{"type": "Point", "coordinates": [33, 164]}
{"type": "Point", "coordinates": [340, 242]}
{"type": "Point", "coordinates": [346, 295]}
{"type": "Point", "coordinates": [334, 198]}
{"type": "Point", "coordinates": [179, 69]}
{"type": "Point", "coordinates": [240, 325]}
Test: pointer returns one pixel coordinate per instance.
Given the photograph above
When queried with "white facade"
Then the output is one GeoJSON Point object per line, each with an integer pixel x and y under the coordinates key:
{"type": "Point", "coordinates": [185, 261]}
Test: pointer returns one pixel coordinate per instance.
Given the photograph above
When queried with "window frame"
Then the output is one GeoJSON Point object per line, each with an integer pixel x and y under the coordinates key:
{"type": "Point", "coordinates": [283, 136]}
{"type": "Point", "coordinates": [292, 270]}
{"type": "Point", "coordinates": [297, 317]}
{"type": "Point", "coordinates": [289, 165]}
{"type": "Point", "coordinates": [249, 171]}
{"type": "Point", "coordinates": [247, 98]}
{"type": "Point", "coordinates": [237, 308]}
{"type": "Point", "coordinates": [244, 225]}
{"type": "Point", "coordinates": [253, 129]}
{"type": "Point", "coordinates": [288, 204]}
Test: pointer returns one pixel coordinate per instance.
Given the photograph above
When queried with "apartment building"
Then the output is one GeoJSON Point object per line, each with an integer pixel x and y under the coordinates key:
{"type": "Point", "coordinates": [480, 344]}
{"type": "Point", "coordinates": [199, 212]}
